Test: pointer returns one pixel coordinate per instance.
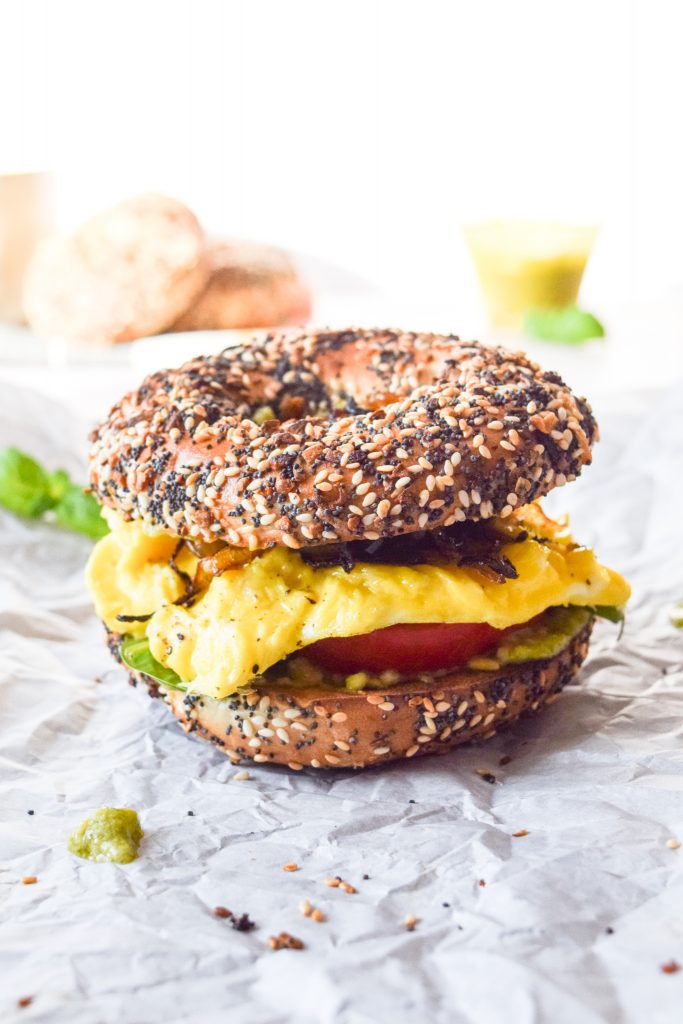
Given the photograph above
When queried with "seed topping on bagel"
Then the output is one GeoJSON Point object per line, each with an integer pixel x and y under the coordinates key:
{"type": "Point", "coordinates": [312, 438]}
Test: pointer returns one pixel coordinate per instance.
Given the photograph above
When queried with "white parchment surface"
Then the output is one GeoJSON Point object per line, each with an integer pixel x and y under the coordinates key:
{"type": "Point", "coordinates": [574, 920]}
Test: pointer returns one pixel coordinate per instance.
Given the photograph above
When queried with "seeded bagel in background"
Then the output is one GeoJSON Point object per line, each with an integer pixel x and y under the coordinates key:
{"type": "Point", "coordinates": [249, 285]}
{"type": "Point", "coordinates": [129, 272]}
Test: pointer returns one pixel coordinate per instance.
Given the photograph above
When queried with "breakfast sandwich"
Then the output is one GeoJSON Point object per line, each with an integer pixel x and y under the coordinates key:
{"type": "Point", "coordinates": [327, 549]}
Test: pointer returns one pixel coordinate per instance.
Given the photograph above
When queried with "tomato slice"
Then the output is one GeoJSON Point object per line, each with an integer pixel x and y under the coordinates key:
{"type": "Point", "coordinates": [410, 648]}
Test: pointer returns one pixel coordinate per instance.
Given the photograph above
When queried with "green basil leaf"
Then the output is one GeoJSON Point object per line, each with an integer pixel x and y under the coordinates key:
{"type": "Point", "coordinates": [60, 481]}
{"type": "Point", "coordinates": [135, 654]}
{"type": "Point", "coordinates": [569, 324]}
{"type": "Point", "coordinates": [24, 485]}
{"type": "Point", "coordinates": [611, 613]}
{"type": "Point", "coordinates": [78, 511]}
{"type": "Point", "coordinates": [28, 490]}
{"type": "Point", "coordinates": [676, 615]}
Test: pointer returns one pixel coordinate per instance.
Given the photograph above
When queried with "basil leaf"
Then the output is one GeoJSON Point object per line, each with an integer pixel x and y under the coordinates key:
{"type": "Point", "coordinates": [676, 615]}
{"type": "Point", "coordinates": [135, 654]}
{"type": "Point", "coordinates": [60, 481]}
{"type": "Point", "coordinates": [78, 511]}
{"type": "Point", "coordinates": [24, 485]}
{"type": "Point", "coordinates": [569, 324]}
{"type": "Point", "coordinates": [28, 490]}
{"type": "Point", "coordinates": [611, 613]}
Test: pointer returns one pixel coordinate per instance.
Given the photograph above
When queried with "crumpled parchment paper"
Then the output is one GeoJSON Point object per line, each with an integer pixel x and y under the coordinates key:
{"type": "Point", "coordinates": [570, 923]}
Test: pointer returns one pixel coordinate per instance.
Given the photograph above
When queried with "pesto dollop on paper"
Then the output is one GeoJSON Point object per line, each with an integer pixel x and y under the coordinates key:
{"type": "Point", "coordinates": [111, 834]}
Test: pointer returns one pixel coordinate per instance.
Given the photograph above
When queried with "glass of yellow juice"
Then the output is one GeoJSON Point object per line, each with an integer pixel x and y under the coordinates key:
{"type": "Point", "coordinates": [527, 264]}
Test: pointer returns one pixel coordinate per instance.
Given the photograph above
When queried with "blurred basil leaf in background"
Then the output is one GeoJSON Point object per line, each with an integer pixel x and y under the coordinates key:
{"type": "Point", "coordinates": [570, 324]}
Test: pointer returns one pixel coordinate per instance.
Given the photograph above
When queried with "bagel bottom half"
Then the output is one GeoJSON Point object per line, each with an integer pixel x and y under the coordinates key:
{"type": "Point", "coordinates": [325, 728]}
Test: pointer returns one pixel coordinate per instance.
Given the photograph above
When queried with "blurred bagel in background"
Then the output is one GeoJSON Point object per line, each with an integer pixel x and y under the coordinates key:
{"type": "Point", "coordinates": [130, 271]}
{"type": "Point", "coordinates": [144, 267]}
{"type": "Point", "coordinates": [250, 285]}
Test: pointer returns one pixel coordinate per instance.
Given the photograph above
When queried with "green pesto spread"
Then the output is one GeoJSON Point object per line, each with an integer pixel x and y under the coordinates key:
{"type": "Point", "coordinates": [544, 639]}
{"type": "Point", "coordinates": [111, 834]}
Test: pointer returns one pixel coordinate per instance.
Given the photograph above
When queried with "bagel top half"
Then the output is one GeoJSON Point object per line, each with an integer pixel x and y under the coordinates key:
{"type": "Point", "coordinates": [333, 436]}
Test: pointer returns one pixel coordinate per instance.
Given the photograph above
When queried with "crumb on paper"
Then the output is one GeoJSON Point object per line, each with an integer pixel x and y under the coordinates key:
{"type": "Point", "coordinates": [24, 1001]}
{"type": "Point", "coordinates": [241, 776]}
{"type": "Point", "coordinates": [240, 922]}
{"type": "Point", "coordinates": [670, 967]}
{"type": "Point", "coordinates": [520, 833]}
{"type": "Point", "coordinates": [335, 882]}
{"type": "Point", "coordinates": [486, 775]}
{"type": "Point", "coordinates": [285, 941]}
{"type": "Point", "coordinates": [673, 843]}
{"type": "Point", "coordinates": [411, 922]}
{"type": "Point", "coordinates": [29, 880]}
{"type": "Point", "coordinates": [290, 867]}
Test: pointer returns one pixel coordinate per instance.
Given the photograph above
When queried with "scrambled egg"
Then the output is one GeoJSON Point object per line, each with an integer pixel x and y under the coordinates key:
{"type": "Point", "coordinates": [253, 616]}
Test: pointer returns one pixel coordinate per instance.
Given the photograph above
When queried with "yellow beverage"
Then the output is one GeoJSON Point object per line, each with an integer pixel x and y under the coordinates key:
{"type": "Point", "coordinates": [526, 265]}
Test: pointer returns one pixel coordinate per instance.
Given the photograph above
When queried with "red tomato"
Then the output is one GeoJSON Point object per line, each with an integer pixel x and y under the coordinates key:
{"type": "Point", "coordinates": [411, 648]}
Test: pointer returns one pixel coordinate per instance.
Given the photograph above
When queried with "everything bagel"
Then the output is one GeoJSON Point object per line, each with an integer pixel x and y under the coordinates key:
{"type": "Point", "coordinates": [325, 548]}
{"type": "Point", "coordinates": [334, 436]}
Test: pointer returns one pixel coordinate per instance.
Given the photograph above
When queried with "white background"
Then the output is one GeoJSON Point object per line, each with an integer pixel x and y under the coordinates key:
{"type": "Point", "coordinates": [365, 132]}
